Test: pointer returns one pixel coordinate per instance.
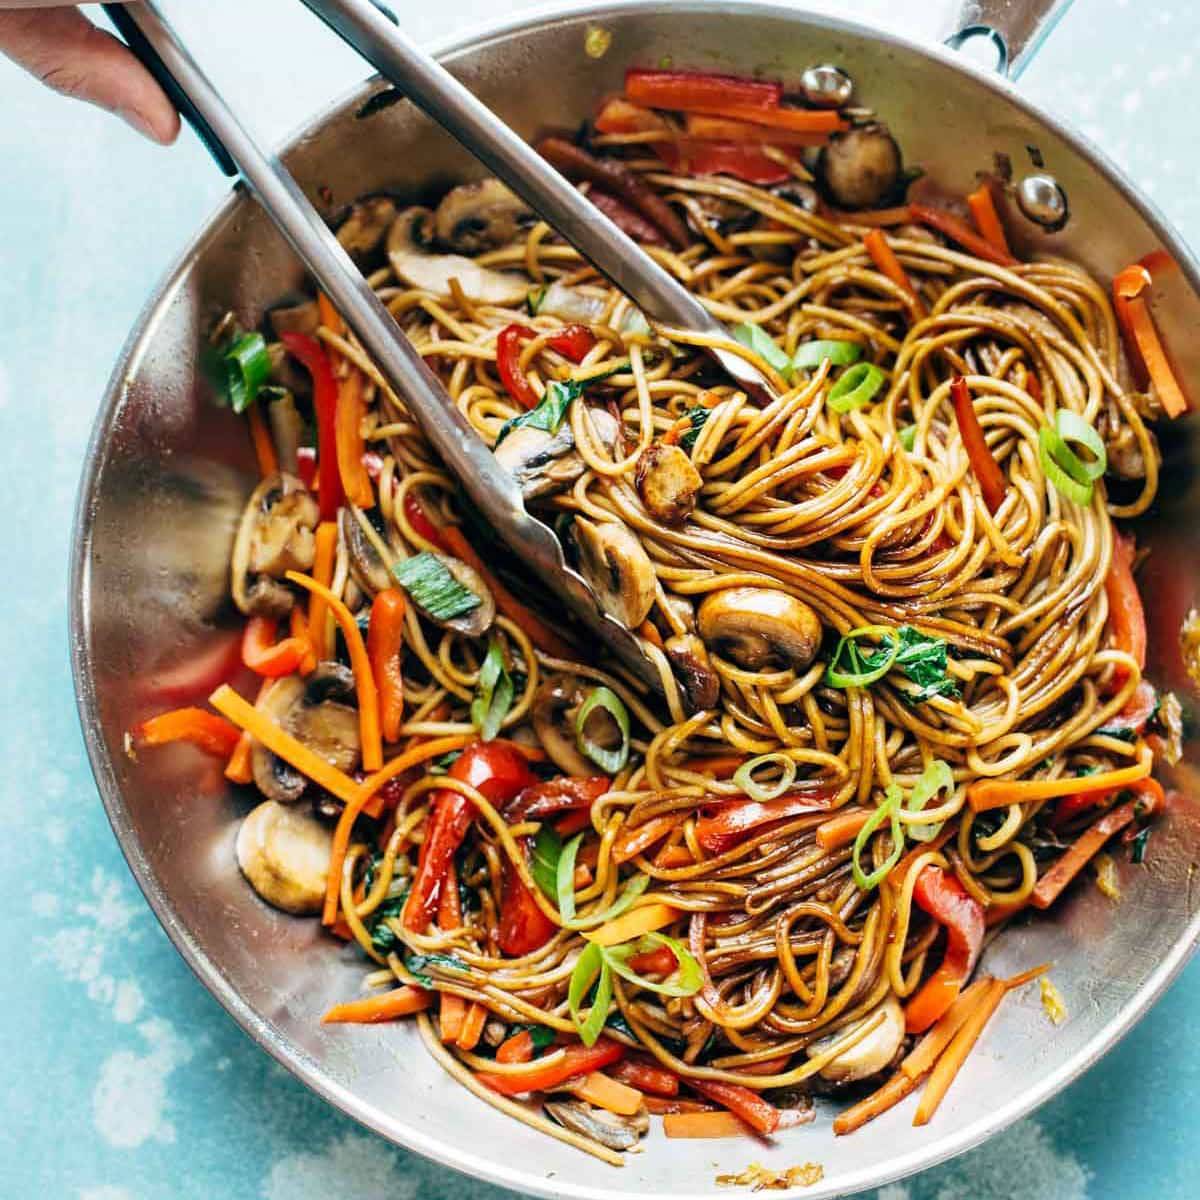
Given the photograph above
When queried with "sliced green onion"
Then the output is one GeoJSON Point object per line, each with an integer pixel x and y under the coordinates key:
{"type": "Point", "coordinates": [908, 437]}
{"type": "Point", "coordinates": [247, 368]}
{"type": "Point", "coordinates": [634, 321]}
{"type": "Point", "coordinates": [850, 667]}
{"type": "Point", "coordinates": [433, 589]}
{"type": "Point", "coordinates": [889, 810]}
{"type": "Point", "coordinates": [607, 760]}
{"type": "Point", "coordinates": [564, 891]}
{"type": "Point", "coordinates": [937, 777]}
{"type": "Point", "coordinates": [856, 386]}
{"type": "Point", "coordinates": [493, 693]}
{"type": "Point", "coordinates": [543, 861]}
{"type": "Point", "coordinates": [839, 353]}
{"type": "Point", "coordinates": [534, 300]}
{"type": "Point", "coordinates": [685, 981]}
{"type": "Point", "coordinates": [744, 776]}
{"type": "Point", "coordinates": [590, 968]}
{"type": "Point", "coordinates": [755, 338]}
{"type": "Point", "coordinates": [549, 414]}
{"type": "Point", "coordinates": [1050, 445]}
{"type": "Point", "coordinates": [1138, 853]}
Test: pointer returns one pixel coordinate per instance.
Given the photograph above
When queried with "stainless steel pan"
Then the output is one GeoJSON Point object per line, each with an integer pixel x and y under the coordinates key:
{"type": "Point", "coordinates": [167, 475]}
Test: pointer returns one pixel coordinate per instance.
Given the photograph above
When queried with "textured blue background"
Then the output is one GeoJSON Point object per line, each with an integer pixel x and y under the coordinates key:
{"type": "Point", "coordinates": [122, 1078]}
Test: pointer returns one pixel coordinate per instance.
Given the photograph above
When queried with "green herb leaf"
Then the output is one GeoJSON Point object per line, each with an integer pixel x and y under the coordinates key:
{"type": "Point", "coordinates": [590, 968]}
{"type": "Point", "coordinates": [755, 338]}
{"type": "Point", "coordinates": [549, 414]}
{"type": "Point", "coordinates": [889, 810]}
{"type": "Point", "coordinates": [923, 659]}
{"type": "Point", "coordinates": [433, 589]}
{"type": "Point", "coordinates": [440, 766]}
{"type": "Point", "coordinates": [697, 417]}
{"type": "Point", "coordinates": [686, 980]}
{"type": "Point", "coordinates": [1137, 852]}
{"type": "Point", "coordinates": [606, 699]}
{"type": "Point", "coordinates": [852, 666]}
{"type": "Point", "coordinates": [540, 1035]}
{"type": "Point", "coordinates": [543, 863]}
{"type": "Point", "coordinates": [493, 693]}
{"type": "Point", "coordinates": [417, 963]}
{"type": "Point", "coordinates": [840, 353]}
{"type": "Point", "coordinates": [247, 367]}
{"type": "Point", "coordinates": [535, 299]}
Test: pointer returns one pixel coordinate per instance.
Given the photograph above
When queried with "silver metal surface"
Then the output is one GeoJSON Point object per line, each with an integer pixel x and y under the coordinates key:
{"type": "Point", "coordinates": [1017, 27]}
{"type": "Point", "coordinates": [826, 86]}
{"type": "Point", "coordinates": [492, 489]}
{"type": "Point", "coordinates": [167, 475]}
{"type": "Point", "coordinates": [434, 90]}
{"type": "Point", "coordinates": [1043, 201]}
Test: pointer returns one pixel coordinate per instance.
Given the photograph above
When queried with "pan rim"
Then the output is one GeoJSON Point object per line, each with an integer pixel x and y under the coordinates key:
{"type": "Point", "coordinates": [303, 1066]}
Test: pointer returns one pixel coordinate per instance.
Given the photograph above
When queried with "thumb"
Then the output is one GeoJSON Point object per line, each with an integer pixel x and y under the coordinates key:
{"type": "Point", "coordinates": [63, 49]}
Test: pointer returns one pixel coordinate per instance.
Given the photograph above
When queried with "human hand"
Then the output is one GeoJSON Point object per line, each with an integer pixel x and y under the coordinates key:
{"type": "Point", "coordinates": [61, 47]}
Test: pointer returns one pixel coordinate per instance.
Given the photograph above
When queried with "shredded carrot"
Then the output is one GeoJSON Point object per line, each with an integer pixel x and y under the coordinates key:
{"type": "Point", "coordinates": [672, 857]}
{"type": "Point", "coordinates": [717, 1124]}
{"type": "Point", "coordinates": [1141, 337]}
{"type": "Point", "coordinates": [651, 634]}
{"type": "Point", "coordinates": [539, 633]}
{"type": "Point", "coordinates": [1015, 981]}
{"type": "Point", "coordinates": [358, 795]}
{"type": "Point", "coordinates": [399, 1002]}
{"type": "Point", "coordinates": [843, 829]}
{"type": "Point", "coordinates": [368, 695]}
{"type": "Point", "coordinates": [348, 438]}
{"type": "Point", "coordinates": [949, 1065]}
{"type": "Point", "coordinates": [920, 1060]}
{"type": "Point", "coordinates": [323, 559]}
{"type": "Point", "coordinates": [986, 794]}
{"type": "Point", "coordinates": [238, 769]}
{"type": "Point", "coordinates": [604, 1092]}
{"type": "Point", "coordinates": [330, 317]}
{"type": "Point", "coordinates": [1080, 853]}
{"type": "Point", "coordinates": [243, 714]}
{"type": "Point", "coordinates": [982, 204]}
{"type": "Point", "coordinates": [633, 924]}
{"type": "Point", "coordinates": [451, 1012]}
{"type": "Point", "coordinates": [298, 624]}
{"type": "Point", "coordinates": [884, 258]}
{"type": "Point", "coordinates": [472, 1026]}
{"type": "Point", "coordinates": [957, 230]}
{"type": "Point", "coordinates": [260, 435]}
{"type": "Point", "coordinates": [632, 842]}
{"type": "Point", "coordinates": [515, 1049]}
{"type": "Point", "coordinates": [874, 1105]}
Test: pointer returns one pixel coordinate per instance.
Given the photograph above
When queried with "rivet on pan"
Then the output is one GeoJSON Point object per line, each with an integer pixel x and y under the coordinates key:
{"type": "Point", "coordinates": [1043, 201]}
{"type": "Point", "coordinates": [826, 86]}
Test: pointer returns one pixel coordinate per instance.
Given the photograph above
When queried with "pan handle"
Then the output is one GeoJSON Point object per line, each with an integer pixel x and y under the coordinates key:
{"type": "Point", "coordinates": [1016, 28]}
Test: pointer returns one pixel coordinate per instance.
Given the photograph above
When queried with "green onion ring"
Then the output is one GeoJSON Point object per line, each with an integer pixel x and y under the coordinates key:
{"type": "Point", "coordinates": [861, 676]}
{"type": "Point", "coordinates": [937, 777]}
{"type": "Point", "coordinates": [247, 368]}
{"type": "Point", "coordinates": [856, 386]}
{"type": "Point", "coordinates": [690, 979]}
{"type": "Point", "coordinates": [607, 760]}
{"type": "Point", "coordinates": [889, 810]}
{"type": "Point", "coordinates": [1050, 444]}
{"type": "Point", "coordinates": [1071, 427]}
{"type": "Point", "coordinates": [590, 966]}
{"type": "Point", "coordinates": [744, 776]}
{"type": "Point", "coordinates": [839, 353]}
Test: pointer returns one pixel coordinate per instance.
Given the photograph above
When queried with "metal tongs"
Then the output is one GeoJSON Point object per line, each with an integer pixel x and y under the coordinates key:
{"type": "Point", "coordinates": [371, 30]}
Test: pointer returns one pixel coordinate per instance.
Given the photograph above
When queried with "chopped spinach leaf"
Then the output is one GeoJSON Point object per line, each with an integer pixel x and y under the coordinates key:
{"type": "Point", "coordinates": [549, 414]}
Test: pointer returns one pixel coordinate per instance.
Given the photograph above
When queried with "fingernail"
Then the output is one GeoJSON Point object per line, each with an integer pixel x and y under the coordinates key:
{"type": "Point", "coordinates": [135, 120]}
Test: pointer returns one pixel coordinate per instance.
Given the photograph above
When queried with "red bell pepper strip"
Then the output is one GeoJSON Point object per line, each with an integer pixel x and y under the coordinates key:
{"type": "Point", "coordinates": [573, 342]}
{"type": "Point", "coordinates": [692, 90]}
{"type": "Point", "coordinates": [1149, 791]}
{"type": "Point", "coordinates": [1126, 616]}
{"type": "Point", "coordinates": [992, 483]}
{"type": "Point", "coordinates": [659, 961]}
{"type": "Point", "coordinates": [266, 656]}
{"type": "Point", "coordinates": [577, 1060]}
{"type": "Point", "coordinates": [617, 115]}
{"type": "Point", "coordinates": [564, 794]}
{"type": "Point", "coordinates": [508, 354]}
{"type": "Point", "coordinates": [722, 827]}
{"type": "Point", "coordinates": [1143, 704]}
{"type": "Point", "coordinates": [959, 231]}
{"type": "Point", "coordinates": [307, 351]}
{"type": "Point", "coordinates": [1145, 347]}
{"type": "Point", "coordinates": [496, 770]}
{"type": "Point", "coordinates": [707, 128]}
{"type": "Point", "coordinates": [572, 823]}
{"type": "Point", "coordinates": [940, 894]}
{"type": "Point", "coordinates": [690, 157]}
{"type": "Point", "coordinates": [306, 465]}
{"type": "Point", "coordinates": [742, 1102]}
{"type": "Point", "coordinates": [516, 1049]}
{"type": "Point", "coordinates": [523, 927]}
{"type": "Point", "coordinates": [415, 515]}
{"type": "Point", "coordinates": [646, 1076]}
{"type": "Point", "coordinates": [626, 219]}
{"type": "Point", "coordinates": [385, 643]}
{"type": "Point", "coordinates": [209, 732]}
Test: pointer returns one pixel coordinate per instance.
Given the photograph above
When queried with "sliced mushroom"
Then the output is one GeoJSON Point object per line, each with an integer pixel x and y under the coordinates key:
{"type": "Point", "coordinates": [287, 430]}
{"type": "Point", "coordinates": [275, 536]}
{"type": "Point", "coordinates": [869, 1056]}
{"type": "Point", "coordinates": [609, 1129]}
{"type": "Point", "coordinates": [479, 620]}
{"type": "Point", "coordinates": [619, 570]}
{"type": "Point", "coordinates": [544, 463]}
{"type": "Point", "coordinates": [366, 567]}
{"type": "Point", "coordinates": [363, 231]}
{"type": "Point", "coordinates": [315, 712]}
{"type": "Point", "coordinates": [689, 658]}
{"type": "Point", "coordinates": [303, 317]}
{"type": "Point", "coordinates": [759, 628]}
{"type": "Point", "coordinates": [479, 216]}
{"type": "Point", "coordinates": [554, 708]}
{"type": "Point", "coordinates": [684, 610]}
{"type": "Point", "coordinates": [286, 374]}
{"type": "Point", "coordinates": [667, 483]}
{"type": "Point", "coordinates": [861, 167]}
{"type": "Point", "coordinates": [285, 853]}
{"type": "Point", "coordinates": [408, 248]}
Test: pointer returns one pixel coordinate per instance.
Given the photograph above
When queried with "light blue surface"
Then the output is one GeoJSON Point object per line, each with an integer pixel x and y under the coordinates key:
{"type": "Point", "coordinates": [122, 1078]}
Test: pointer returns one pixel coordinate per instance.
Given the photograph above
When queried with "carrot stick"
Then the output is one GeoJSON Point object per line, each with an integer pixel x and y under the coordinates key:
{"type": "Point", "coordinates": [1054, 882]}
{"type": "Point", "coordinates": [385, 643]}
{"type": "Point", "coordinates": [986, 794]}
{"type": "Point", "coordinates": [516, 1049]}
{"type": "Point", "coordinates": [330, 317]}
{"type": "Point", "coordinates": [348, 439]}
{"type": "Point", "coordinates": [264, 448]}
{"type": "Point", "coordinates": [323, 557]}
{"type": "Point", "coordinates": [874, 1105]}
{"type": "Point", "coordinates": [719, 766]}
{"type": "Point", "coordinates": [539, 633]}
{"type": "Point", "coordinates": [633, 924]}
{"type": "Point", "coordinates": [647, 631]}
{"type": "Point", "coordinates": [884, 258]}
{"type": "Point", "coordinates": [205, 730]}
{"type": "Point", "coordinates": [841, 830]}
{"type": "Point", "coordinates": [451, 1012]}
{"type": "Point", "coordinates": [716, 1124]}
{"type": "Point", "coordinates": [708, 127]}
{"type": "Point", "coordinates": [298, 623]}
{"type": "Point", "coordinates": [1141, 336]}
{"type": "Point", "coordinates": [238, 769]}
{"type": "Point", "coordinates": [472, 1027]}
{"type": "Point", "coordinates": [949, 1065]}
{"type": "Point", "coordinates": [919, 1062]}
{"type": "Point", "coordinates": [368, 694]}
{"type": "Point", "coordinates": [982, 204]}
{"type": "Point", "coordinates": [598, 1089]}
{"type": "Point", "coordinates": [672, 857]}
{"type": "Point", "coordinates": [661, 1106]}
{"type": "Point", "coordinates": [399, 1002]}
{"type": "Point", "coordinates": [630, 844]}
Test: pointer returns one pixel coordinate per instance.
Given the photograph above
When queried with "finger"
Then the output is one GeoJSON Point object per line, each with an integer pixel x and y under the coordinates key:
{"type": "Point", "coordinates": [63, 49]}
